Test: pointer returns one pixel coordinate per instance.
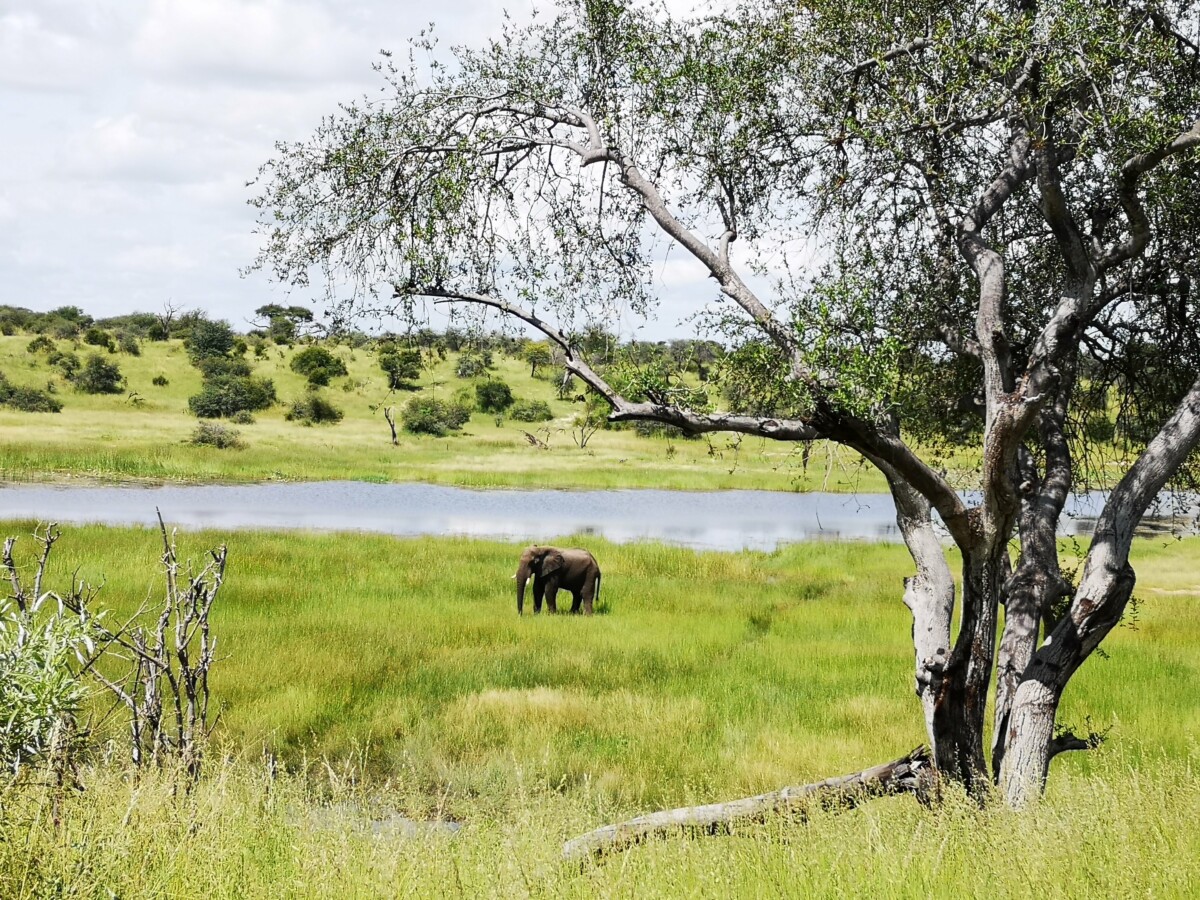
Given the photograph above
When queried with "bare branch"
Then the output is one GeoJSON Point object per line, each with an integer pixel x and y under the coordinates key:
{"type": "Point", "coordinates": [904, 775]}
{"type": "Point", "coordinates": [909, 49]}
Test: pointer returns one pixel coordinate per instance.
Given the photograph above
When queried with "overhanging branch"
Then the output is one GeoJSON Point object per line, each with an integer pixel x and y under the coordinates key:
{"type": "Point", "coordinates": [624, 410]}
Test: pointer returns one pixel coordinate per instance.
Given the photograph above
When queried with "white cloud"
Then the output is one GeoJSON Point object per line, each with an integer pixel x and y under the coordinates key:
{"type": "Point", "coordinates": [246, 40]}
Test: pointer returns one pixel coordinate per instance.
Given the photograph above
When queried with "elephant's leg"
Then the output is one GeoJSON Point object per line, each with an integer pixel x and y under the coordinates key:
{"type": "Point", "coordinates": [589, 594]}
{"type": "Point", "coordinates": [576, 600]}
{"type": "Point", "coordinates": [539, 588]}
{"type": "Point", "coordinates": [551, 593]}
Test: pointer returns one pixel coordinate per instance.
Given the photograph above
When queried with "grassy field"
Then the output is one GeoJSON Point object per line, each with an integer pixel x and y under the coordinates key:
{"type": "Point", "coordinates": [142, 434]}
{"type": "Point", "coordinates": [392, 677]}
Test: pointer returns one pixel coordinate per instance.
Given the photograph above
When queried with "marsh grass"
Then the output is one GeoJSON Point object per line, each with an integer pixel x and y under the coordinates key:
{"type": "Point", "coordinates": [142, 434]}
{"type": "Point", "coordinates": [394, 677]}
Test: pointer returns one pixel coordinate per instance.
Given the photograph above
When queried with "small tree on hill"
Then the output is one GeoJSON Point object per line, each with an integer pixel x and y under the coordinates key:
{"type": "Point", "coordinates": [99, 376]}
{"type": "Point", "coordinates": [403, 367]}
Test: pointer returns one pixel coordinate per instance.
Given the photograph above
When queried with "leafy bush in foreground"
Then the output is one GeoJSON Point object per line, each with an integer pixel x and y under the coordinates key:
{"type": "Point", "coordinates": [428, 415]}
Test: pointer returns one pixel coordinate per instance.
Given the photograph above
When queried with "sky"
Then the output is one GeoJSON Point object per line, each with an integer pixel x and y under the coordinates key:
{"type": "Point", "coordinates": [130, 129]}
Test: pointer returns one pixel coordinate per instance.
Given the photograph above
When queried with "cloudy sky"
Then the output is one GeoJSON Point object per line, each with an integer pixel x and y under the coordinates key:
{"type": "Point", "coordinates": [132, 126]}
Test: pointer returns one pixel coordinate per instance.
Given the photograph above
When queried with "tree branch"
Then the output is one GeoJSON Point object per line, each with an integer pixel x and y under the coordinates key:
{"type": "Point", "coordinates": [904, 775]}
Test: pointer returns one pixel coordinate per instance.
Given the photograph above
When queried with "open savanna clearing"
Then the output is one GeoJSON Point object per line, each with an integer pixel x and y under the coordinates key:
{"type": "Point", "coordinates": [393, 678]}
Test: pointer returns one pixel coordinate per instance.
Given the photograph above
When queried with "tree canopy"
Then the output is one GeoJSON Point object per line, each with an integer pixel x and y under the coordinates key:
{"type": "Point", "coordinates": [999, 196]}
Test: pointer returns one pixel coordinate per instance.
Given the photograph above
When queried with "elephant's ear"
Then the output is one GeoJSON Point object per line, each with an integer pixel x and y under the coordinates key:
{"type": "Point", "coordinates": [552, 562]}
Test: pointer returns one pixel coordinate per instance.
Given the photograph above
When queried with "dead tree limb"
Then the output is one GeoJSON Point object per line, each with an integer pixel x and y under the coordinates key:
{"type": "Point", "coordinates": [904, 775]}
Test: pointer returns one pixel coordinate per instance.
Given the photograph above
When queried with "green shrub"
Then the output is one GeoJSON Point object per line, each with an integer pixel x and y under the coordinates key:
{"type": "Point", "coordinates": [27, 399]}
{"type": "Point", "coordinates": [98, 337]}
{"type": "Point", "coordinates": [99, 376]}
{"type": "Point", "coordinates": [428, 415]}
{"type": "Point", "coordinates": [531, 411]}
{"type": "Point", "coordinates": [127, 343]}
{"type": "Point", "coordinates": [316, 358]}
{"type": "Point", "coordinates": [472, 365]}
{"type": "Point", "coordinates": [313, 410]}
{"type": "Point", "coordinates": [41, 344]}
{"type": "Point", "coordinates": [212, 434]}
{"type": "Point", "coordinates": [493, 396]}
{"type": "Point", "coordinates": [226, 395]}
{"type": "Point", "coordinates": [207, 339]}
{"type": "Point", "coordinates": [66, 362]}
{"type": "Point", "coordinates": [403, 367]}
{"type": "Point", "coordinates": [242, 417]}
{"type": "Point", "coordinates": [40, 692]}
{"type": "Point", "coordinates": [318, 378]}
{"type": "Point", "coordinates": [159, 381]}
{"type": "Point", "coordinates": [218, 366]}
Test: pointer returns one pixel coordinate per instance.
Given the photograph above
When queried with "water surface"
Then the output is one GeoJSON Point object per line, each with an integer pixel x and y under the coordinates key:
{"type": "Point", "coordinates": [716, 520]}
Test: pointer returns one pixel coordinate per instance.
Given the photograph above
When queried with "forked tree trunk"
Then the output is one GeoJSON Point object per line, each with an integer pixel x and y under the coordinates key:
{"type": "Point", "coordinates": [1099, 602]}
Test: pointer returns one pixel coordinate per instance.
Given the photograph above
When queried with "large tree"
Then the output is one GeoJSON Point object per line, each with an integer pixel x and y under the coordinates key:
{"type": "Point", "coordinates": [1001, 199]}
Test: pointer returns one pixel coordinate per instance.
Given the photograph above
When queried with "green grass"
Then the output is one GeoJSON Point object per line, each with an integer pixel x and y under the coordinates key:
{"type": "Point", "coordinates": [394, 676]}
{"type": "Point", "coordinates": [145, 438]}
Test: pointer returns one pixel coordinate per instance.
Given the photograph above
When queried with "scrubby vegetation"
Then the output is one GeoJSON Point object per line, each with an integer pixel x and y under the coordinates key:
{"type": "Point", "coordinates": [213, 434]}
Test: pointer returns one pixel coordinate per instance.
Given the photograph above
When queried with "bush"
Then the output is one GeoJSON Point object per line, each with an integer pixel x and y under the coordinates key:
{"type": "Point", "coordinates": [493, 396]}
{"type": "Point", "coordinates": [31, 400]}
{"type": "Point", "coordinates": [313, 410]}
{"type": "Point", "coordinates": [129, 344]}
{"type": "Point", "coordinates": [159, 381]}
{"type": "Point", "coordinates": [318, 378]}
{"type": "Point", "coordinates": [99, 376]}
{"type": "Point", "coordinates": [207, 339]}
{"type": "Point", "coordinates": [39, 690]}
{"type": "Point", "coordinates": [67, 363]}
{"type": "Point", "coordinates": [98, 337]}
{"type": "Point", "coordinates": [403, 367]}
{"type": "Point", "coordinates": [26, 399]}
{"type": "Point", "coordinates": [472, 365]}
{"type": "Point", "coordinates": [210, 434]}
{"type": "Point", "coordinates": [315, 358]}
{"type": "Point", "coordinates": [242, 417]}
{"type": "Point", "coordinates": [428, 415]}
{"type": "Point", "coordinates": [41, 344]}
{"type": "Point", "coordinates": [226, 395]}
{"type": "Point", "coordinates": [531, 411]}
{"type": "Point", "coordinates": [218, 366]}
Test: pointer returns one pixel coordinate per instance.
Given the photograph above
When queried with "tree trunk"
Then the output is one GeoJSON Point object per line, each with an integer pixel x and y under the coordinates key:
{"type": "Point", "coordinates": [1104, 590]}
{"type": "Point", "coordinates": [929, 595]}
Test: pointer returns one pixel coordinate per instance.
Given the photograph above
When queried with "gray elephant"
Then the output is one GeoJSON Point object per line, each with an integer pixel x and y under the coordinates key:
{"type": "Point", "coordinates": [571, 570]}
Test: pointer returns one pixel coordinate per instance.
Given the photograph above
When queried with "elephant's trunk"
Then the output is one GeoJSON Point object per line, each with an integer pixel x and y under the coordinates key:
{"type": "Point", "coordinates": [522, 577]}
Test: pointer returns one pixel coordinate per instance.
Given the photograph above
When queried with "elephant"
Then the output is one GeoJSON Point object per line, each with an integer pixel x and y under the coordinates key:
{"type": "Point", "coordinates": [571, 569]}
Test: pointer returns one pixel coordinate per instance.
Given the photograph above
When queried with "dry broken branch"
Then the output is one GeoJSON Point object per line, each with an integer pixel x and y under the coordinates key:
{"type": "Point", "coordinates": [904, 775]}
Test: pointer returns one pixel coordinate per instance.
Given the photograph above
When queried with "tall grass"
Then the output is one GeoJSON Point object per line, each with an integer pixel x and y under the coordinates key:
{"type": "Point", "coordinates": [393, 677]}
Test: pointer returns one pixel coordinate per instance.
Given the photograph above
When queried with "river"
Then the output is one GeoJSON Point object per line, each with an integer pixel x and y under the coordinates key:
{"type": "Point", "coordinates": [717, 520]}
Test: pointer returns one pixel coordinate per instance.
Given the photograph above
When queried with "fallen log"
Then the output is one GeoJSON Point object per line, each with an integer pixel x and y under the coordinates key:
{"type": "Point", "coordinates": [908, 774]}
